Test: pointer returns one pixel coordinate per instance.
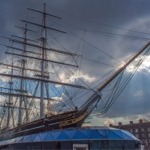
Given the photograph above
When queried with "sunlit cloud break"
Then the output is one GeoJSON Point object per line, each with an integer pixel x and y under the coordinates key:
{"type": "Point", "coordinates": [109, 121]}
{"type": "Point", "coordinates": [144, 66]}
{"type": "Point", "coordinates": [79, 75]}
{"type": "Point", "coordinates": [139, 93]}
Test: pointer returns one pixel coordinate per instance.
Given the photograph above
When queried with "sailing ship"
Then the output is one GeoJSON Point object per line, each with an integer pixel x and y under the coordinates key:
{"type": "Point", "coordinates": [41, 74]}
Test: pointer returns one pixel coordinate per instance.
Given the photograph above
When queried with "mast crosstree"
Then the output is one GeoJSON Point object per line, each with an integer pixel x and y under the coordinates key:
{"type": "Point", "coordinates": [34, 82]}
{"type": "Point", "coordinates": [25, 53]}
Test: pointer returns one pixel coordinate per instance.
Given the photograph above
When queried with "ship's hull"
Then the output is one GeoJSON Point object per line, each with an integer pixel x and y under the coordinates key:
{"type": "Point", "coordinates": [61, 121]}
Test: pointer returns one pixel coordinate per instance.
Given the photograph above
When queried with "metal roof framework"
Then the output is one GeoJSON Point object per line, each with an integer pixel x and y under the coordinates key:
{"type": "Point", "coordinates": [75, 134]}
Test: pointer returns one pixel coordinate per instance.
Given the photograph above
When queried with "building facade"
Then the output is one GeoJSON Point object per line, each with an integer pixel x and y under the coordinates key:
{"type": "Point", "coordinates": [141, 130]}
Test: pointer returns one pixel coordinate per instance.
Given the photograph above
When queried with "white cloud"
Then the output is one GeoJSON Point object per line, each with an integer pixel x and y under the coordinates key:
{"type": "Point", "coordinates": [144, 66]}
{"type": "Point", "coordinates": [79, 75]}
{"type": "Point", "coordinates": [139, 93]}
{"type": "Point", "coordinates": [125, 120]}
{"type": "Point", "coordinates": [4, 70]}
{"type": "Point", "coordinates": [108, 121]}
{"type": "Point", "coordinates": [57, 99]}
{"type": "Point", "coordinates": [2, 99]}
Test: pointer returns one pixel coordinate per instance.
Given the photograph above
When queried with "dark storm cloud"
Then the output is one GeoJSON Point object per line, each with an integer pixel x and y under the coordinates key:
{"type": "Point", "coordinates": [113, 12]}
{"type": "Point", "coordinates": [94, 15]}
{"type": "Point", "coordinates": [134, 99]}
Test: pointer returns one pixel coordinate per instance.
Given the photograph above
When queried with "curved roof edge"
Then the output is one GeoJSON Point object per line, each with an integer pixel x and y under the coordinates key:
{"type": "Point", "coordinates": [74, 134]}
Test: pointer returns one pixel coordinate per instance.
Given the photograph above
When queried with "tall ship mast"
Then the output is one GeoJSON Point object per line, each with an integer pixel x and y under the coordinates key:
{"type": "Point", "coordinates": [37, 99]}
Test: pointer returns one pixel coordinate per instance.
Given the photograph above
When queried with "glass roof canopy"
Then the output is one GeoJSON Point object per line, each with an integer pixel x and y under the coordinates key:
{"type": "Point", "coordinates": [75, 134]}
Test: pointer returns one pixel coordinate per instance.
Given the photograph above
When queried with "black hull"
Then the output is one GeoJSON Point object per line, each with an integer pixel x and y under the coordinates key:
{"type": "Point", "coordinates": [61, 121]}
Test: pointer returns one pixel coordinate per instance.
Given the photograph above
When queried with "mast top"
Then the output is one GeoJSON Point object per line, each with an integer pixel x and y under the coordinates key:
{"type": "Point", "coordinates": [47, 14]}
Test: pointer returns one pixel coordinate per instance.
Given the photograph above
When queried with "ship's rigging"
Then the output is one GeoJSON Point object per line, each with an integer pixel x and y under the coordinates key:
{"type": "Point", "coordinates": [41, 75]}
{"type": "Point", "coordinates": [37, 95]}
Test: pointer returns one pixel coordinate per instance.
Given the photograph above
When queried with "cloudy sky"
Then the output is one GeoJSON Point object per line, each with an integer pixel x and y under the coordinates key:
{"type": "Point", "coordinates": [118, 28]}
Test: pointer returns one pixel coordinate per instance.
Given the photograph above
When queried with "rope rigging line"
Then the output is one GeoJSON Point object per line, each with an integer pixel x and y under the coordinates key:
{"type": "Point", "coordinates": [77, 91]}
{"type": "Point", "coordinates": [113, 96]}
{"type": "Point", "coordinates": [82, 93]}
{"type": "Point", "coordinates": [70, 99]}
{"type": "Point", "coordinates": [98, 22]}
{"type": "Point", "coordinates": [130, 37]}
{"type": "Point", "coordinates": [98, 49]}
{"type": "Point", "coordinates": [83, 57]}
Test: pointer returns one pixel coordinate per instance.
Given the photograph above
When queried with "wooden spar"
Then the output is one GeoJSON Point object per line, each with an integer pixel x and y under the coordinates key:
{"type": "Point", "coordinates": [44, 53]}
{"type": "Point", "coordinates": [19, 37]}
{"type": "Point", "coordinates": [43, 26]}
{"type": "Point", "coordinates": [26, 29]}
{"type": "Point", "coordinates": [21, 50]}
{"type": "Point", "coordinates": [32, 57]}
{"type": "Point", "coordinates": [95, 96]}
{"type": "Point", "coordinates": [44, 13]}
{"type": "Point", "coordinates": [17, 90]}
{"type": "Point", "coordinates": [12, 107]}
{"type": "Point", "coordinates": [44, 80]}
{"type": "Point", "coordinates": [25, 95]}
{"type": "Point", "coordinates": [122, 68]}
{"type": "Point", "coordinates": [49, 49]}
{"type": "Point", "coordinates": [37, 46]}
{"type": "Point", "coordinates": [29, 69]}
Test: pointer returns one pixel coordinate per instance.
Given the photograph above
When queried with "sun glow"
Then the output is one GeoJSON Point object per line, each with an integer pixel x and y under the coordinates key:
{"type": "Point", "coordinates": [79, 75]}
{"type": "Point", "coordinates": [145, 66]}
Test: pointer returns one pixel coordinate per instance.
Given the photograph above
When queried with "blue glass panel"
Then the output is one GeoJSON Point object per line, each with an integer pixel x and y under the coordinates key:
{"type": "Point", "coordinates": [33, 136]}
{"type": "Point", "coordinates": [43, 135]}
{"type": "Point", "coordinates": [18, 139]}
{"type": "Point", "coordinates": [96, 135]}
{"type": "Point", "coordinates": [114, 136]}
{"type": "Point", "coordinates": [78, 135]}
{"type": "Point", "coordinates": [62, 136]}
{"type": "Point", "coordinates": [48, 137]}
{"type": "Point", "coordinates": [118, 132]}
{"type": "Point", "coordinates": [87, 133]}
{"type": "Point", "coordinates": [103, 133]}
{"type": "Point", "coordinates": [27, 138]}
{"type": "Point", "coordinates": [127, 136]}
{"type": "Point", "coordinates": [37, 138]}
{"type": "Point", "coordinates": [55, 134]}
{"type": "Point", "coordinates": [70, 133]}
